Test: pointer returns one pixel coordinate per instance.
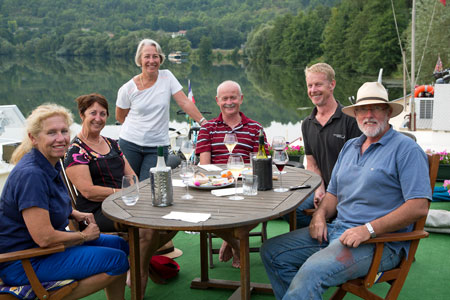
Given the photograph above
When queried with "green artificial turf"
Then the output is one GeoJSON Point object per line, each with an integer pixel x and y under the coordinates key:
{"type": "Point", "coordinates": [427, 278]}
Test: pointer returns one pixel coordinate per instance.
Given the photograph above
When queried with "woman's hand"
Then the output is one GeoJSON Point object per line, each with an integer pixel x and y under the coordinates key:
{"type": "Point", "coordinates": [92, 232]}
{"type": "Point", "coordinates": [86, 218]}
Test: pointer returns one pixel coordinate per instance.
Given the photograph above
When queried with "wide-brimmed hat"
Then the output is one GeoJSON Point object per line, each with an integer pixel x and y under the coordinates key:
{"type": "Point", "coordinates": [372, 93]}
{"type": "Point", "coordinates": [168, 250]}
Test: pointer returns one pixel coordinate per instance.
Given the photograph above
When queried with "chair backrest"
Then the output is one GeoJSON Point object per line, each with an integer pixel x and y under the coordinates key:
{"type": "Point", "coordinates": [73, 193]}
{"type": "Point", "coordinates": [433, 165]}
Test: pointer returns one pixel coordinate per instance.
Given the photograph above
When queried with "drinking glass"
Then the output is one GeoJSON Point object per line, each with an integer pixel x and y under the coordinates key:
{"type": "Point", "coordinates": [130, 189]}
{"type": "Point", "coordinates": [280, 159]}
{"type": "Point", "coordinates": [187, 173]}
{"type": "Point", "coordinates": [230, 141]}
{"type": "Point", "coordinates": [187, 148]}
{"type": "Point", "coordinates": [235, 165]}
{"type": "Point", "coordinates": [278, 143]}
{"type": "Point", "coordinates": [252, 155]}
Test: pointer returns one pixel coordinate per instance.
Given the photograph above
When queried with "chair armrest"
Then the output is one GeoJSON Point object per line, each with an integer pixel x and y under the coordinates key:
{"type": "Point", "coordinates": [309, 211]}
{"type": "Point", "coordinates": [29, 253]}
{"type": "Point", "coordinates": [398, 237]}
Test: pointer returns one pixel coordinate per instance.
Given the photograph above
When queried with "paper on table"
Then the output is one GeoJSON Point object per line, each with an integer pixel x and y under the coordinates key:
{"type": "Point", "coordinates": [226, 192]}
{"type": "Point", "coordinates": [210, 168]}
{"type": "Point", "coordinates": [178, 182]}
{"type": "Point", "coordinates": [187, 217]}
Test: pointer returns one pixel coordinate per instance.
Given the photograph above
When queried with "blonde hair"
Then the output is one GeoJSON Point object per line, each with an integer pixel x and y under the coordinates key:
{"type": "Point", "coordinates": [145, 42]}
{"type": "Point", "coordinates": [34, 126]}
{"type": "Point", "coordinates": [321, 68]}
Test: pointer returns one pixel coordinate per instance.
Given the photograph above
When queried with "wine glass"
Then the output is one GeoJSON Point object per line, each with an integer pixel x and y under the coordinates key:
{"type": "Point", "coordinates": [187, 173]}
{"type": "Point", "coordinates": [230, 141]}
{"type": "Point", "coordinates": [130, 189]}
{"type": "Point", "coordinates": [280, 159]}
{"type": "Point", "coordinates": [235, 165]}
{"type": "Point", "coordinates": [187, 148]}
{"type": "Point", "coordinates": [278, 143]}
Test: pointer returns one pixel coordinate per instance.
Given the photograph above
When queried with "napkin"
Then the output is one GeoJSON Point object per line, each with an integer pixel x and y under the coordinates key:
{"type": "Point", "coordinates": [226, 192]}
{"type": "Point", "coordinates": [187, 217]}
{"type": "Point", "coordinates": [210, 168]}
{"type": "Point", "coordinates": [178, 182]}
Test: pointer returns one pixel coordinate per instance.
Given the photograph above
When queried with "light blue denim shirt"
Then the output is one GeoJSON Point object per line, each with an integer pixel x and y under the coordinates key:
{"type": "Point", "coordinates": [371, 185]}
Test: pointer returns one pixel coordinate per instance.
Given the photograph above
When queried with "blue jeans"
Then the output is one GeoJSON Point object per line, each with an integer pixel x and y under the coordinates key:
{"type": "Point", "coordinates": [302, 219]}
{"type": "Point", "coordinates": [141, 158]}
{"type": "Point", "coordinates": [299, 268]}
{"type": "Point", "coordinates": [107, 254]}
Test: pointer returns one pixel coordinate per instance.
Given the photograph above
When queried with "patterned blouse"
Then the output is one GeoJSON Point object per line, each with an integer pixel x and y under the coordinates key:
{"type": "Point", "coordinates": [106, 170]}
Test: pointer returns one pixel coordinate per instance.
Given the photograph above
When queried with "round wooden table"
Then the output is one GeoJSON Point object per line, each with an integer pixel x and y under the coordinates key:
{"type": "Point", "coordinates": [237, 217]}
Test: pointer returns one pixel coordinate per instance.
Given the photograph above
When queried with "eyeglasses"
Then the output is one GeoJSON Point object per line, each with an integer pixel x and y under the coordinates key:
{"type": "Point", "coordinates": [365, 109]}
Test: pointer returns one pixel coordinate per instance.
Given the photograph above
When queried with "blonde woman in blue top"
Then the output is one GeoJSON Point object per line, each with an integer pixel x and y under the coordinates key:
{"type": "Point", "coordinates": [35, 208]}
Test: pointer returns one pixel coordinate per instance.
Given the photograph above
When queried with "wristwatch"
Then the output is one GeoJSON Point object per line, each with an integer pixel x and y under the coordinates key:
{"type": "Point", "coordinates": [371, 231]}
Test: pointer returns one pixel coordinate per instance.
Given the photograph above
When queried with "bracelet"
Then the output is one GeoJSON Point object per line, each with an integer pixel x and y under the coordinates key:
{"type": "Point", "coordinates": [83, 236]}
{"type": "Point", "coordinates": [201, 120]}
{"type": "Point", "coordinates": [114, 190]}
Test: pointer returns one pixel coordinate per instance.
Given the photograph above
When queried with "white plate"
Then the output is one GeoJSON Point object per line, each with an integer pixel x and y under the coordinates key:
{"type": "Point", "coordinates": [209, 185]}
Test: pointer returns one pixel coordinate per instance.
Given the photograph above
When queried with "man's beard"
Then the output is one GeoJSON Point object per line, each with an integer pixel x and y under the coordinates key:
{"type": "Point", "coordinates": [371, 131]}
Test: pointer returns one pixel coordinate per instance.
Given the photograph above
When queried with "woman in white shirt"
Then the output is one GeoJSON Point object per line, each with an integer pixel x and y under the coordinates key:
{"type": "Point", "coordinates": [142, 107]}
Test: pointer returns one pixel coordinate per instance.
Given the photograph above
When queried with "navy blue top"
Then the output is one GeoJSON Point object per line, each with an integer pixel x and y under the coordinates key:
{"type": "Point", "coordinates": [33, 182]}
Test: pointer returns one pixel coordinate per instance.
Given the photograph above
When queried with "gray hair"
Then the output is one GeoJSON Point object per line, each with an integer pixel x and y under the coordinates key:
{"type": "Point", "coordinates": [146, 42]}
{"type": "Point", "coordinates": [229, 82]}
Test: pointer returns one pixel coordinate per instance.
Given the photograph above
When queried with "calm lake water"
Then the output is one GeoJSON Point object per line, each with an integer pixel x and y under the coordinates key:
{"type": "Point", "coordinates": [273, 95]}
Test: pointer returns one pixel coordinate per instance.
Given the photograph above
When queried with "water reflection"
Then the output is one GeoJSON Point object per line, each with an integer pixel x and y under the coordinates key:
{"type": "Point", "coordinates": [272, 94]}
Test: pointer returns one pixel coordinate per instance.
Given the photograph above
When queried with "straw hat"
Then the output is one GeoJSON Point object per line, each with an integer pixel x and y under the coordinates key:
{"type": "Point", "coordinates": [168, 250]}
{"type": "Point", "coordinates": [372, 93]}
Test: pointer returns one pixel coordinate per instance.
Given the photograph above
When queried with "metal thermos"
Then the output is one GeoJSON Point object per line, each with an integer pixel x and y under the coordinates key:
{"type": "Point", "coordinates": [263, 168]}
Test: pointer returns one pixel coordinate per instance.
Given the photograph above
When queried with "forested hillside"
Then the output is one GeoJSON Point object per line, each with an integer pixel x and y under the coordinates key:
{"type": "Point", "coordinates": [355, 36]}
{"type": "Point", "coordinates": [106, 27]}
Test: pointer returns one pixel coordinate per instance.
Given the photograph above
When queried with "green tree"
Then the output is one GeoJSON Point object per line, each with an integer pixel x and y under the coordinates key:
{"type": "Point", "coordinates": [205, 49]}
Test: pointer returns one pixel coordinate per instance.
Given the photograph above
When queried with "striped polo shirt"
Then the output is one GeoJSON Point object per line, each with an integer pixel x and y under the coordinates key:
{"type": "Point", "coordinates": [211, 135]}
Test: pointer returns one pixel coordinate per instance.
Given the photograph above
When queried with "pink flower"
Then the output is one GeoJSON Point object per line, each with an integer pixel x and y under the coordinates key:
{"type": "Point", "coordinates": [447, 185]}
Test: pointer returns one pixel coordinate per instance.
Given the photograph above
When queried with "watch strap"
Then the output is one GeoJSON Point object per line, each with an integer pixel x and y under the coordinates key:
{"type": "Point", "coordinates": [370, 229]}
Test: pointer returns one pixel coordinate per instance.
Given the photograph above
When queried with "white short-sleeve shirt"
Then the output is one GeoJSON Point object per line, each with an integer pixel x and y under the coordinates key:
{"type": "Point", "coordinates": [147, 122]}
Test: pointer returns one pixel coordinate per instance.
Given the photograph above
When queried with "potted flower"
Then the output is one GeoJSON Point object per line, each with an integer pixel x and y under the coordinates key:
{"type": "Point", "coordinates": [444, 165]}
{"type": "Point", "coordinates": [295, 152]}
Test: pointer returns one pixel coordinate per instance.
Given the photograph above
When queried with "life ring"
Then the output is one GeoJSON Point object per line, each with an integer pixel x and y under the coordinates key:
{"type": "Point", "coordinates": [423, 88]}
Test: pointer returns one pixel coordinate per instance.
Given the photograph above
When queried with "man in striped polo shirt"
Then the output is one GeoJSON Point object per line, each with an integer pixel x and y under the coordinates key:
{"type": "Point", "coordinates": [212, 149]}
{"type": "Point", "coordinates": [210, 145]}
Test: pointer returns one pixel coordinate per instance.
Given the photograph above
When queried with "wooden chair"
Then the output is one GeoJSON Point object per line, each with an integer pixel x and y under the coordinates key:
{"type": "Point", "coordinates": [37, 287]}
{"type": "Point", "coordinates": [397, 276]}
{"type": "Point", "coordinates": [211, 250]}
{"type": "Point", "coordinates": [73, 194]}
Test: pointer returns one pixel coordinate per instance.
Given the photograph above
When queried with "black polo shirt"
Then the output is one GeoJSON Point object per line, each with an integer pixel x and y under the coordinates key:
{"type": "Point", "coordinates": [325, 143]}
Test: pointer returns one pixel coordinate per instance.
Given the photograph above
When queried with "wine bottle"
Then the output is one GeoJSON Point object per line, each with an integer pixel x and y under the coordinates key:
{"type": "Point", "coordinates": [160, 162]}
{"type": "Point", "coordinates": [262, 166]}
{"type": "Point", "coordinates": [261, 149]}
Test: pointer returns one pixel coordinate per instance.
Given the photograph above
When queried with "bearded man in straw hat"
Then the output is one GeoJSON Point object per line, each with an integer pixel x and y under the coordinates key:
{"type": "Point", "coordinates": [374, 189]}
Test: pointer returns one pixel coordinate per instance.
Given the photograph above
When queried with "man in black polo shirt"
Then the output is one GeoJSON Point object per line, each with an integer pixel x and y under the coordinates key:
{"type": "Point", "coordinates": [324, 132]}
